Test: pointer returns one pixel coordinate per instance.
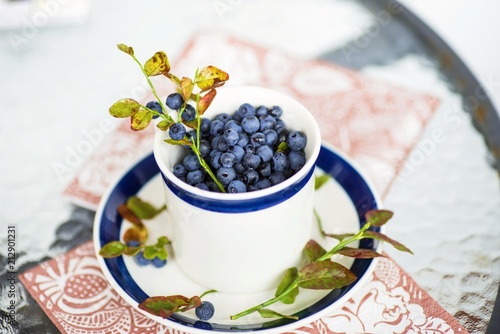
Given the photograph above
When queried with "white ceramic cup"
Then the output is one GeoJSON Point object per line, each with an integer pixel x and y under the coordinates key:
{"type": "Point", "coordinates": [241, 243]}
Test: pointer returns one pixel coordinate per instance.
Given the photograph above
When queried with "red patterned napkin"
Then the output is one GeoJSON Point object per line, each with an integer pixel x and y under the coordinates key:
{"type": "Point", "coordinates": [374, 123]}
{"type": "Point", "coordinates": [74, 293]}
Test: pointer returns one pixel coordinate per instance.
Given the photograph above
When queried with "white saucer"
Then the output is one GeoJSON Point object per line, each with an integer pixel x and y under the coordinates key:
{"type": "Point", "coordinates": [341, 203]}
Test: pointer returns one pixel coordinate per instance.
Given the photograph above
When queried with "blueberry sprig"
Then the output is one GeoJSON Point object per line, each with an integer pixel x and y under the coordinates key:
{"type": "Point", "coordinates": [207, 80]}
{"type": "Point", "coordinates": [321, 273]}
{"type": "Point", "coordinates": [135, 210]}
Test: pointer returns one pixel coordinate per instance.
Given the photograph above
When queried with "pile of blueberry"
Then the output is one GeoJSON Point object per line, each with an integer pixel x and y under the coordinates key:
{"type": "Point", "coordinates": [251, 149]}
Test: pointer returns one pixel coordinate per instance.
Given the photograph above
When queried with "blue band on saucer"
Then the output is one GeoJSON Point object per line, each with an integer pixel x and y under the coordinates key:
{"type": "Point", "coordinates": [238, 206]}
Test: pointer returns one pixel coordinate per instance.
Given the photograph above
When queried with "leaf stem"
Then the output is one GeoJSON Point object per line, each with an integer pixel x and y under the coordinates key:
{"type": "Point", "coordinates": [343, 243]}
{"type": "Point", "coordinates": [206, 167]}
{"type": "Point", "coordinates": [271, 301]}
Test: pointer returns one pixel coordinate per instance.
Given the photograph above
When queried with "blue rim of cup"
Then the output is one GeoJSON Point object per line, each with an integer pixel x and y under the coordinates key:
{"type": "Point", "coordinates": [329, 161]}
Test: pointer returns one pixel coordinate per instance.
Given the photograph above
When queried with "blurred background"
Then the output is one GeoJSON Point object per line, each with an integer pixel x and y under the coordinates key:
{"type": "Point", "coordinates": [60, 71]}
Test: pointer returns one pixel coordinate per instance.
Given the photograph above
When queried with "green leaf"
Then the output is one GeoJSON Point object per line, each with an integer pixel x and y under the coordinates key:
{"type": "Point", "coordinates": [313, 251]}
{"type": "Point", "coordinates": [382, 237]}
{"type": "Point", "coordinates": [142, 209]}
{"type": "Point", "coordinates": [127, 49]}
{"type": "Point", "coordinates": [158, 64]}
{"type": "Point", "coordinates": [319, 181]}
{"type": "Point", "coordinates": [193, 302]}
{"type": "Point", "coordinates": [378, 218]}
{"type": "Point", "coordinates": [131, 251]}
{"type": "Point", "coordinates": [141, 119]}
{"type": "Point", "coordinates": [157, 250]}
{"type": "Point", "coordinates": [127, 214]}
{"type": "Point", "coordinates": [267, 313]}
{"type": "Point", "coordinates": [112, 249]}
{"type": "Point", "coordinates": [165, 306]}
{"type": "Point", "coordinates": [210, 77]}
{"type": "Point", "coordinates": [187, 86]}
{"type": "Point", "coordinates": [282, 147]}
{"type": "Point", "coordinates": [325, 275]}
{"type": "Point", "coordinates": [163, 241]}
{"type": "Point", "coordinates": [205, 101]}
{"type": "Point", "coordinates": [288, 279]}
{"type": "Point", "coordinates": [124, 108]}
{"type": "Point", "coordinates": [191, 124]}
{"type": "Point", "coordinates": [182, 142]}
{"type": "Point", "coordinates": [164, 125]}
{"type": "Point", "coordinates": [150, 252]}
{"type": "Point", "coordinates": [136, 233]}
{"type": "Point", "coordinates": [359, 253]}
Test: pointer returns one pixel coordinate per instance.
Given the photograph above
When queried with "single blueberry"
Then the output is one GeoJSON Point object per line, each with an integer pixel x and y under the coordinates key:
{"type": "Point", "coordinates": [216, 128]}
{"type": "Point", "coordinates": [258, 139]}
{"type": "Point", "coordinates": [205, 127]}
{"type": "Point", "coordinates": [195, 177]}
{"type": "Point", "coordinates": [296, 140]}
{"type": "Point", "coordinates": [174, 101]}
{"type": "Point", "coordinates": [205, 148]}
{"type": "Point", "coordinates": [250, 149]}
{"type": "Point", "coordinates": [205, 311]}
{"type": "Point", "coordinates": [245, 110]}
{"type": "Point", "coordinates": [215, 159]}
{"type": "Point", "coordinates": [282, 136]}
{"type": "Point", "coordinates": [297, 159]}
{"type": "Point", "coordinates": [231, 136]}
{"type": "Point", "coordinates": [271, 137]}
{"type": "Point", "coordinates": [276, 112]}
{"type": "Point", "coordinates": [236, 186]}
{"type": "Point", "coordinates": [219, 144]}
{"type": "Point", "coordinates": [179, 170]}
{"type": "Point", "coordinates": [191, 162]}
{"type": "Point", "coordinates": [239, 168]}
{"type": "Point", "coordinates": [265, 153]}
{"type": "Point", "coordinates": [277, 177]}
{"type": "Point", "coordinates": [261, 111]}
{"type": "Point", "coordinates": [141, 260]}
{"type": "Point", "coordinates": [263, 183]}
{"type": "Point", "coordinates": [232, 124]}
{"type": "Point", "coordinates": [158, 263]}
{"type": "Point", "coordinates": [250, 124]}
{"type": "Point", "coordinates": [250, 177]}
{"type": "Point", "coordinates": [267, 122]}
{"type": "Point", "coordinates": [177, 131]}
{"type": "Point", "coordinates": [227, 159]}
{"type": "Point", "coordinates": [225, 175]}
{"type": "Point", "coordinates": [279, 126]}
{"type": "Point", "coordinates": [243, 141]}
{"type": "Point", "coordinates": [280, 162]}
{"type": "Point", "coordinates": [251, 160]}
{"type": "Point", "coordinates": [189, 113]}
{"type": "Point", "coordinates": [237, 150]}
{"type": "Point", "coordinates": [264, 169]}
{"type": "Point", "coordinates": [156, 106]}
{"type": "Point", "coordinates": [133, 243]}
{"type": "Point", "coordinates": [224, 118]}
